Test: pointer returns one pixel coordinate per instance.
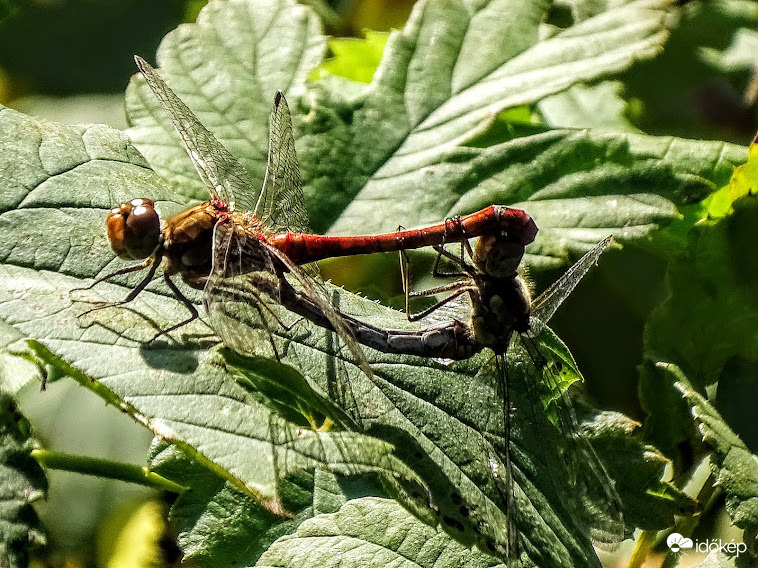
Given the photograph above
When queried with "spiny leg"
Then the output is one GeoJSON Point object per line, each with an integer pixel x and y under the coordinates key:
{"type": "Point", "coordinates": [468, 270]}
{"type": "Point", "coordinates": [184, 300]}
{"type": "Point", "coordinates": [458, 287]}
{"type": "Point", "coordinates": [127, 270]}
{"type": "Point", "coordinates": [134, 293]}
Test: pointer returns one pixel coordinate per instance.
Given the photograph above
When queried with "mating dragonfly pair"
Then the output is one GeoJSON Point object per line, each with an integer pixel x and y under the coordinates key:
{"type": "Point", "coordinates": [252, 253]}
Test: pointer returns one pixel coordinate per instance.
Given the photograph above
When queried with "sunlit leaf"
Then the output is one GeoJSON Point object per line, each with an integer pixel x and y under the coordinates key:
{"type": "Point", "coordinates": [371, 532]}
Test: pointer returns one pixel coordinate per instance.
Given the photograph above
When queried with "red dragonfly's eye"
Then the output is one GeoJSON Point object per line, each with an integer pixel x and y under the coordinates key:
{"type": "Point", "coordinates": [134, 229]}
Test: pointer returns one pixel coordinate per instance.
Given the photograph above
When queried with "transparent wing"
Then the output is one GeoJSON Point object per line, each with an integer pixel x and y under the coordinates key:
{"type": "Point", "coordinates": [545, 306]}
{"type": "Point", "coordinates": [594, 498]}
{"type": "Point", "coordinates": [250, 301]}
{"type": "Point", "coordinates": [241, 294]}
{"type": "Point", "coordinates": [315, 294]}
{"type": "Point", "coordinates": [590, 491]}
{"type": "Point", "coordinates": [281, 204]}
{"type": "Point", "coordinates": [223, 176]}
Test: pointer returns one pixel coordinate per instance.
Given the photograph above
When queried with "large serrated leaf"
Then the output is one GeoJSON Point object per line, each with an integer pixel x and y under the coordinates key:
{"type": "Point", "coordinates": [227, 67]}
{"type": "Point", "coordinates": [638, 470]}
{"type": "Point", "coordinates": [433, 91]}
{"type": "Point", "coordinates": [219, 524]}
{"type": "Point", "coordinates": [371, 531]}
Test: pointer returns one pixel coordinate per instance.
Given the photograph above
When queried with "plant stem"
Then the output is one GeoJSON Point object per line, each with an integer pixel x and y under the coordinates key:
{"type": "Point", "coordinates": [105, 468]}
{"type": "Point", "coordinates": [642, 547]}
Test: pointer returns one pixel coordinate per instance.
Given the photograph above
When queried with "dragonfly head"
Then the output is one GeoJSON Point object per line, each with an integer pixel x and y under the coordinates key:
{"type": "Point", "coordinates": [498, 256]}
{"type": "Point", "coordinates": [134, 229]}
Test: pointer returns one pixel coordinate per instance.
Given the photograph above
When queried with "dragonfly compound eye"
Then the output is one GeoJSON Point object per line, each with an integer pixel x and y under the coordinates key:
{"type": "Point", "coordinates": [134, 229]}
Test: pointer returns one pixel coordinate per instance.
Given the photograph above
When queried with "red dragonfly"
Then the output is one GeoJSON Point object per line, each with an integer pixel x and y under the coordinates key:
{"type": "Point", "coordinates": [239, 245]}
{"type": "Point", "coordinates": [499, 305]}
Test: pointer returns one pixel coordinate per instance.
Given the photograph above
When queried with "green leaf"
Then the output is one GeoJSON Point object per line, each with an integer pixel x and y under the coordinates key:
{"type": "Point", "coordinates": [582, 106]}
{"type": "Point", "coordinates": [7, 9]}
{"type": "Point", "coordinates": [744, 182]}
{"type": "Point", "coordinates": [229, 80]}
{"type": "Point", "coordinates": [23, 482]}
{"type": "Point", "coordinates": [233, 424]}
{"type": "Point", "coordinates": [371, 531]}
{"type": "Point", "coordinates": [711, 314]}
{"type": "Point", "coordinates": [735, 467]}
{"type": "Point", "coordinates": [218, 524]}
{"type": "Point", "coordinates": [65, 178]}
{"type": "Point", "coordinates": [638, 469]}
{"type": "Point", "coordinates": [431, 94]}
{"type": "Point", "coordinates": [415, 405]}
{"type": "Point", "coordinates": [354, 59]}
{"type": "Point", "coordinates": [669, 421]}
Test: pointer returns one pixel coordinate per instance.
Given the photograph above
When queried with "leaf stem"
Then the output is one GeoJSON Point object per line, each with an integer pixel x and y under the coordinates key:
{"type": "Point", "coordinates": [105, 468]}
{"type": "Point", "coordinates": [642, 548]}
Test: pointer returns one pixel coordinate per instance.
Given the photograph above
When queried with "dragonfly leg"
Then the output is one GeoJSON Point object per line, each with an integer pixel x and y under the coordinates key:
{"type": "Point", "coordinates": [127, 270]}
{"type": "Point", "coordinates": [184, 300]}
{"type": "Point", "coordinates": [460, 260]}
{"type": "Point", "coordinates": [458, 287]}
{"type": "Point", "coordinates": [257, 306]}
{"type": "Point", "coordinates": [156, 260]}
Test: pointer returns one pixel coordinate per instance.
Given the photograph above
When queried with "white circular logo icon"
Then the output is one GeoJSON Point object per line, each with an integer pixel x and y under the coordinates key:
{"type": "Point", "coordinates": [677, 542]}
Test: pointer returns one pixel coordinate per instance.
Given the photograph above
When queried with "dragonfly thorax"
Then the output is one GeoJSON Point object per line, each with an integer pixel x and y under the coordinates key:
{"type": "Point", "coordinates": [134, 229]}
{"type": "Point", "coordinates": [503, 306]}
{"type": "Point", "coordinates": [188, 243]}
